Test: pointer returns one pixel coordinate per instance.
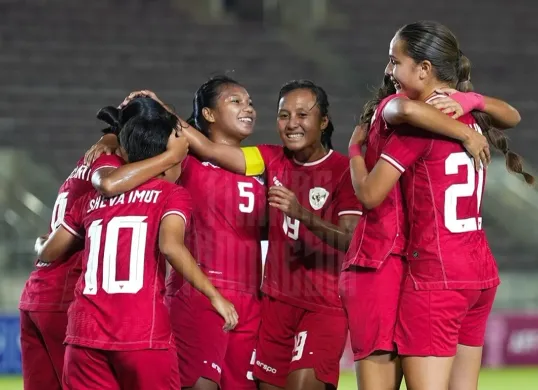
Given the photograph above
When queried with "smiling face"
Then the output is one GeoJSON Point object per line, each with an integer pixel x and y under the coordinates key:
{"type": "Point", "coordinates": [233, 113]}
{"type": "Point", "coordinates": [299, 121]}
{"type": "Point", "coordinates": [404, 72]}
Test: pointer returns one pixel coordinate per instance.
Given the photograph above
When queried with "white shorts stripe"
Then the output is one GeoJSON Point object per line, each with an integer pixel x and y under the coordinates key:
{"type": "Point", "coordinates": [393, 162]}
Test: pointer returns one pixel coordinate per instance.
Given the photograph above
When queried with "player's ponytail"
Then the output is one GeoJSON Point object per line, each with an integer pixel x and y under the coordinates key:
{"type": "Point", "coordinates": [433, 42]}
{"type": "Point", "coordinates": [496, 137]}
{"type": "Point", "coordinates": [110, 115]}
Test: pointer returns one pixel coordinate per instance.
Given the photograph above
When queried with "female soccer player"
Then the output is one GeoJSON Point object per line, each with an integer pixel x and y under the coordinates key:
{"type": "Point", "coordinates": [452, 277]}
{"type": "Point", "coordinates": [313, 212]}
{"type": "Point", "coordinates": [373, 267]}
{"type": "Point", "coordinates": [229, 210]}
{"type": "Point", "coordinates": [124, 272]}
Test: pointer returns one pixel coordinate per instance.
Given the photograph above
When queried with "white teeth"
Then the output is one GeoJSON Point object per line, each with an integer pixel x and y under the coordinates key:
{"type": "Point", "coordinates": [295, 136]}
{"type": "Point", "coordinates": [246, 120]}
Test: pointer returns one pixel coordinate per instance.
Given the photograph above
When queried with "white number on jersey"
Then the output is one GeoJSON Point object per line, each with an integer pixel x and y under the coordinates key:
{"type": "Point", "coordinates": [136, 257]}
{"type": "Point", "coordinates": [300, 340]}
{"type": "Point", "coordinates": [291, 227]}
{"type": "Point", "coordinates": [244, 192]}
{"type": "Point", "coordinates": [58, 211]}
{"type": "Point", "coordinates": [250, 375]}
{"type": "Point", "coordinates": [465, 190]}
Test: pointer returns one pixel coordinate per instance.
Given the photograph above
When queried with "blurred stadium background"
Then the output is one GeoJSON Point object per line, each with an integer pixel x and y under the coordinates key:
{"type": "Point", "coordinates": [62, 60]}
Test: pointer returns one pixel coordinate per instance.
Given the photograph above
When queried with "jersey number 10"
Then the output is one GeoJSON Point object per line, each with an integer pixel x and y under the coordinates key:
{"type": "Point", "coordinates": [137, 249]}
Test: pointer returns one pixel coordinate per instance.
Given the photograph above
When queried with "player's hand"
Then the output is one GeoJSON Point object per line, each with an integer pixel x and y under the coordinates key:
{"type": "Point", "coordinates": [40, 241]}
{"type": "Point", "coordinates": [359, 135]}
{"type": "Point", "coordinates": [478, 147]}
{"type": "Point", "coordinates": [285, 200]}
{"type": "Point", "coordinates": [178, 145]}
{"type": "Point", "coordinates": [444, 103]}
{"type": "Point", "coordinates": [143, 93]}
{"type": "Point", "coordinates": [108, 144]}
{"type": "Point", "coordinates": [227, 311]}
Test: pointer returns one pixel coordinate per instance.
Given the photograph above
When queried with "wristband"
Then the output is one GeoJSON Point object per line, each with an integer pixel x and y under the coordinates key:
{"type": "Point", "coordinates": [469, 101]}
{"type": "Point", "coordinates": [354, 151]}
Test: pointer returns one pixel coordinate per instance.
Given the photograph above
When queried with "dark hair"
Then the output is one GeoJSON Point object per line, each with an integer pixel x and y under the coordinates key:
{"type": "Point", "coordinates": [385, 89]}
{"type": "Point", "coordinates": [206, 96]}
{"type": "Point", "coordinates": [322, 101]}
{"type": "Point", "coordinates": [144, 127]}
{"type": "Point", "coordinates": [431, 41]}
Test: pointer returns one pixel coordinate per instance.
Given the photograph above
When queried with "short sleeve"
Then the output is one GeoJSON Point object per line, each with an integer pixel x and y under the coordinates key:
{"type": "Point", "coordinates": [258, 157]}
{"type": "Point", "coordinates": [346, 200]}
{"type": "Point", "coordinates": [406, 146]}
{"type": "Point", "coordinates": [106, 161]}
{"type": "Point", "coordinates": [179, 202]}
{"type": "Point", "coordinates": [73, 219]}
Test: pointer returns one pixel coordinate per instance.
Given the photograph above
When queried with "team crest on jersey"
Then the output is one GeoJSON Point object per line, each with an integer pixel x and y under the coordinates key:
{"type": "Point", "coordinates": [318, 196]}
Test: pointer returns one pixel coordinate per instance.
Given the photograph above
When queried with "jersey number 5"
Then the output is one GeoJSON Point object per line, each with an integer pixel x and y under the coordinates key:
{"type": "Point", "coordinates": [245, 192]}
{"type": "Point", "coordinates": [465, 190]}
{"type": "Point", "coordinates": [111, 285]}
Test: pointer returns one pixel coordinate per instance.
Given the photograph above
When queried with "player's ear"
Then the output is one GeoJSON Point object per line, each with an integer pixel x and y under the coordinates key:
{"type": "Point", "coordinates": [208, 115]}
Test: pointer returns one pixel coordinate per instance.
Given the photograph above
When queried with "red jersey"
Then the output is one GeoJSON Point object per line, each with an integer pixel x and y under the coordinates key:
{"type": "Point", "coordinates": [119, 300]}
{"type": "Point", "coordinates": [447, 248]}
{"type": "Point", "coordinates": [300, 268]}
{"type": "Point", "coordinates": [50, 286]}
{"type": "Point", "coordinates": [382, 230]}
{"type": "Point", "coordinates": [229, 213]}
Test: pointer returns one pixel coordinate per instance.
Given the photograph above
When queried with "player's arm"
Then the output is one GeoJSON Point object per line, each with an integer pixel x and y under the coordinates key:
{"type": "Point", "coordinates": [228, 157]}
{"type": "Point", "coordinates": [337, 236]}
{"type": "Point", "coordinates": [455, 103]}
{"type": "Point", "coordinates": [59, 243]}
{"type": "Point", "coordinates": [244, 161]}
{"type": "Point", "coordinates": [424, 116]}
{"type": "Point", "coordinates": [112, 181]}
{"type": "Point", "coordinates": [403, 149]}
{"type": "Point", "coordinates": [372, 188]}
{"type": "Point", "coordinates": [172, 246]}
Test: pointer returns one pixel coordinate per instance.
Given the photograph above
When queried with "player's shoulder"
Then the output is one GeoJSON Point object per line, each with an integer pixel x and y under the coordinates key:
{"type": "Point", "coordinates": [338, 161]}
{"type": "Point", "coordinates": [383, 103]}
{"type": "Point", "coordinates": [106, 161]}
{"type": "Point", "coordinates": [173, 189]}
{"type": "Point", "coordinates": [271, 150]}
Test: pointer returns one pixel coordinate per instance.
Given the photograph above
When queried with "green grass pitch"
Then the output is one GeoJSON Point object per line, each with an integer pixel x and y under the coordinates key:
{"type": "Point", "coordinates": [503, 379]}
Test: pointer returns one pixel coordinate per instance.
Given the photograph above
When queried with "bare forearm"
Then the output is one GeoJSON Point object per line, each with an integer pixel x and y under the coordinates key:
{"type": "Point", "coordinates": [329, 233]}
{"type": "Point", "coordinates": [504, 116]}
{"type": "Point", "coordinates": [359, 178]}
{"type": "Point", "coordinates": [426, 117]}
{"type": "Point", "coordinates": [225, 156]}
{"type": "Point", "coordinates": [184, 264]}
{"type": "Point", "coordinates": [129, 176]}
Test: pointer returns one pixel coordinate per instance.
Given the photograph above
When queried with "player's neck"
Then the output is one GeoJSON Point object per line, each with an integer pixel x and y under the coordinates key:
{"type": "Point", "coordinates": [430, 90]}
{"type": "Point", "coordinates": [310, 154]}
{"type": "Point", "coordinates": [225, 139]}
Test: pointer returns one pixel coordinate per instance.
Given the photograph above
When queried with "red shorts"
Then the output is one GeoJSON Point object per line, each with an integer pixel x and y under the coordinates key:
{"type": "Point", "coordinates": [433, 323]}
{"type": "Point", "coordinates": [42, 349]}
{"type": "Point", "coordinates": [149, 369]}
{"type": "Point", "coordinates": [371, 298]}
{"type": "Point", "coordinates": [292, 338]}
{"type": "Point", "coordinates": [204, 349]}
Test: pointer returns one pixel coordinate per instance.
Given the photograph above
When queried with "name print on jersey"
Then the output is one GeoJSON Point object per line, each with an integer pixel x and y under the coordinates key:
{"type": "Point", "coordinates": [137, 196]}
